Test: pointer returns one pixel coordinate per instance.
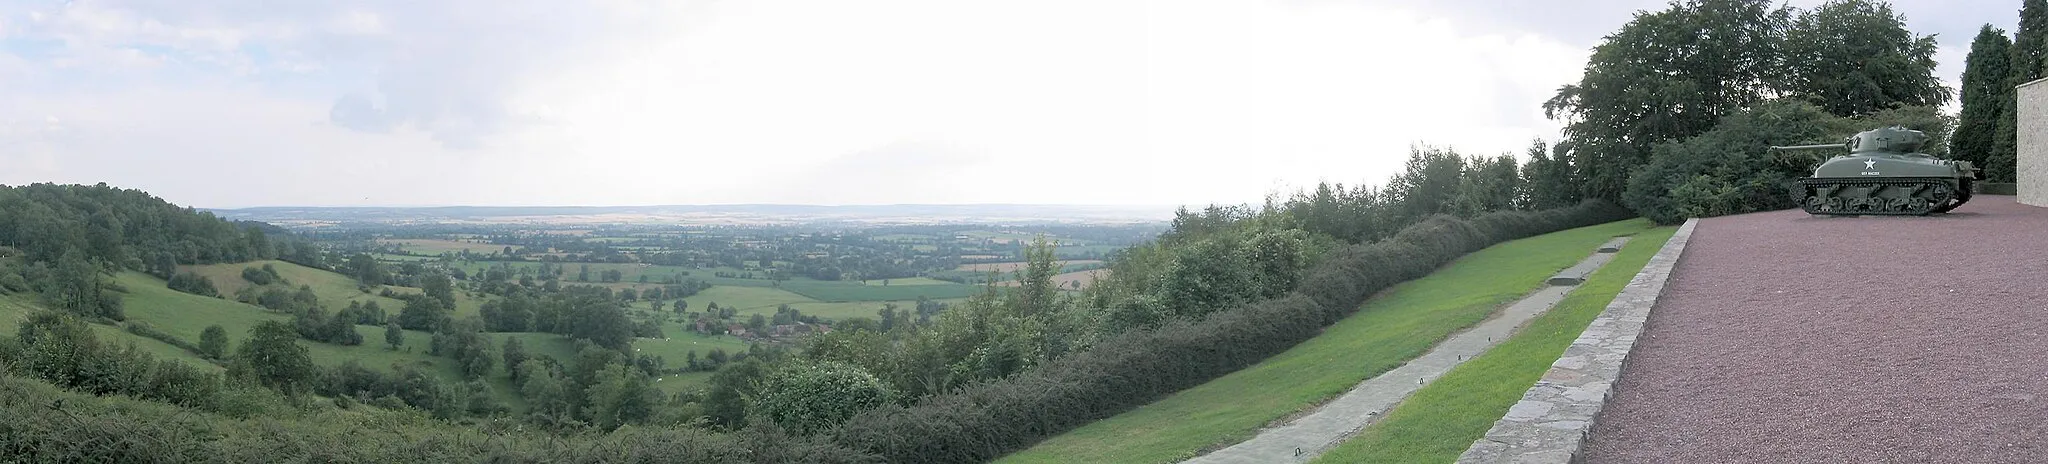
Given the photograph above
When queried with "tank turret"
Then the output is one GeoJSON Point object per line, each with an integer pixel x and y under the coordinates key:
{"type": "Point", "coordinates": [1883, 173]}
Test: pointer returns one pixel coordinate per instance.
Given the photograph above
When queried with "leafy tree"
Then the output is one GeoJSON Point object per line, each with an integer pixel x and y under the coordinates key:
{"type": "Point", "coordinates": [213, 342]}
{"type": "Point", "coordinates": [1855, 57]}
{"type": "Point", "coordinates": [256, 276]}
{"type": "Point", "coordinates": [437, 286]}
{"type": "Point", "coordinates": [423, 313]}
{"type": "Point", "coordinates": [272, 357]}
{"type": "Point", "coordinates": [1548, 182]}
{"type": "Point", "coordinates": [394, 335]}
{"type": "Point", "coordinates": [192, 283]}
{"type": "Point", "coordinates": [621, 395]}
{"type": "Point", "coordinates": [725, 401]}
{"type": "Point", "coordinates": [365, 269]}
{"type": "Point", "coordinates": [1488, 184]}
{"type": "Point", "coordinates": [545, 389]}
{"type": "Point", "coordinates": [1664, 76]}
{"type": "Point", "coordinates": [515, 354]}
{"type": "Point", "coordinates": [1984, 94]}
{"type": "Point", "coordinates": [1428, 182]}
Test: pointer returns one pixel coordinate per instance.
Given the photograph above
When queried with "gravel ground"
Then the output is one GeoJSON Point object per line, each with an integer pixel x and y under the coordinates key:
{"type": "Point", "coordinates": [1785, 337]}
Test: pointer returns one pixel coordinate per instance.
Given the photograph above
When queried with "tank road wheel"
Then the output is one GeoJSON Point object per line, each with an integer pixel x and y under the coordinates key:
{"type": "Point", "coordinates": [1962, 196]}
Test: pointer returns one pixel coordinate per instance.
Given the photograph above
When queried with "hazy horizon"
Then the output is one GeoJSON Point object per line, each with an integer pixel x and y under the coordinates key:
{"type": "Point", "coordinates": [233, 105]}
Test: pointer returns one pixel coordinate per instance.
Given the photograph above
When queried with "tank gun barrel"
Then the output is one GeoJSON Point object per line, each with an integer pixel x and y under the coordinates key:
{"type": "Point", "coordinates": [1817, 146]}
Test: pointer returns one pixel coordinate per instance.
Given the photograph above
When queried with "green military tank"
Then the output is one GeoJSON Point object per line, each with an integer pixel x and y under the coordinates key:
{"type": "Point", "coordinates": [1884, 174]}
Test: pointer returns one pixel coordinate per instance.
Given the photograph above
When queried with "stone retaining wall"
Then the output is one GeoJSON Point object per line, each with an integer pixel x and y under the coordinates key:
{"type": "Point", "coordinates": [1551, 422]}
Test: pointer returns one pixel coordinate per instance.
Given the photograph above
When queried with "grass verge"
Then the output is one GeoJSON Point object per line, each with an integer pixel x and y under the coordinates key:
{"type": "Point", "coordinates": [1439, 421]}
{"type": "Point", "coordinates": [1389, 330]}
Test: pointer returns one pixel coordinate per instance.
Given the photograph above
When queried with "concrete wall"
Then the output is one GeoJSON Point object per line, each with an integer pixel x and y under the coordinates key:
{"type": "Point", "coordinates": [2032, 167]}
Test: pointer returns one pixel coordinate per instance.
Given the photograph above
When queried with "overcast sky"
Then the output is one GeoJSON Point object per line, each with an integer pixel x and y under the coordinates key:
{"type": "Point", "coordinates": [249, 103]}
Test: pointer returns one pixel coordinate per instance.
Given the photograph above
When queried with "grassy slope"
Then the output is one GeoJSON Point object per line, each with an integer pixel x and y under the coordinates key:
{"type": "Point", "coordinates": [1392, 328]}
{"type": "Point", "coordinates": [15, 308]}
{"type": "Point", "coordinates": [335, 290]}
{"type": "Point", "coordinates": [1437, 423]}
{"type": "Point", "coordinates": [185, 316]}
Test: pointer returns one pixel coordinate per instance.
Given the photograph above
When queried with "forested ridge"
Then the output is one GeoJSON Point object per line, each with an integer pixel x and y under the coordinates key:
{"type": "Point", "coordinates": [1671, 119]}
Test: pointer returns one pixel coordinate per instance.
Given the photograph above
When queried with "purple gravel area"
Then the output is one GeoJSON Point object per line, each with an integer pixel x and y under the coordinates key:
{"type": "Point", "coordinates": [1784, 337]}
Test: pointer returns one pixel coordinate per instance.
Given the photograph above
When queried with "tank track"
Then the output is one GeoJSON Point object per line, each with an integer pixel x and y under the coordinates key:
{"type": "Point", "coordinates": [1962, 195]}
{"type": "Point", "coordinates": [1922, 196]}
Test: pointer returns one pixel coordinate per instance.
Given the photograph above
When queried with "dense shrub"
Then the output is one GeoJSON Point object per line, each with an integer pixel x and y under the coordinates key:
{"type": "Point", "coordinates": [984, 421]}
{"type": "Point", "coordinates": [807, 396]}
{"type": "Point", "coordinates": [193, 283]}
{"type": "Point", "coordinates": [62, 350]}
{"type": "Point", "coordinates": [257, 276]}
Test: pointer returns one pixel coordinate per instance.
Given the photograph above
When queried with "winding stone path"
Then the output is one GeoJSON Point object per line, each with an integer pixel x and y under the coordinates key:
{"type": "Point", "coordinates": [1311, 435]}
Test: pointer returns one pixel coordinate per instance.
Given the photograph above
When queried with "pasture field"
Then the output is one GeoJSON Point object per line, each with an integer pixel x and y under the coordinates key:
{"type": "Point", "coordinates": [15, 308]}
{"type": "Point", "coordinates": [631, 272]}
{"type": "Point", "coordinates": [335, 290]}
{"type": "Point", "coordinates": [910, 281]}
{"type": "Point", "coordinates": [1439, 421]}
{"type": "Point", "coordinates": [677, 383]}
{"type": "Point", "coordinates": [676, 349]}
{"type": "Point", "coordinates": [915, 238]}
{"type": "Point", "coordinates": [1388, 330]}
{"type": "Point", "coordinates": [427, 246]}
{"type": "Point", "coordinates": [839, 291]}
{"type": "Point", "coordinates": [185, 316]}
{"type": "Point", "coordinates": [1014, 266]}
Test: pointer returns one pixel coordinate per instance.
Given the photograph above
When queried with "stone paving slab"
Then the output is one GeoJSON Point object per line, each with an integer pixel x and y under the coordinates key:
{"type": "Point", "coordinates": [1551, 422]}
{"type": "Point", "coordinates": [1577, 274]}
{"type": "Point", "coordinates": [1309, 436]}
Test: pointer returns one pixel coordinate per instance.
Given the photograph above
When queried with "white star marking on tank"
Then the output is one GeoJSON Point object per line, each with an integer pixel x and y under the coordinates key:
{"type": "Point", "coordinates": [1869, 164]}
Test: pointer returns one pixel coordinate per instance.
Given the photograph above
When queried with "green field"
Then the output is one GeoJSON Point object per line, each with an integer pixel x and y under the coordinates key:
{"type": "Point", "coordinates": [631, 272]}
{"type": "Point", "coordinates": [854, 291]}
{"type": "Point", "coordinates": [676, 349]}
{"type": "Point", "coordinates": [185, 316]}
{"type": "Point", "coordinates": [764, 301]}
{"type": "Point", "coordinates": [436, 246]}
{"type": "Point", "coordinates": [335, 290]}
{"type": "Point", "coordinates": [15, 308]}
{"type": "Point", "coordinates": [1390, 329]}
{"type": "Point", "coordinates": [1439, 421]}
{"type": "Point", "coordinates": [911, 281]}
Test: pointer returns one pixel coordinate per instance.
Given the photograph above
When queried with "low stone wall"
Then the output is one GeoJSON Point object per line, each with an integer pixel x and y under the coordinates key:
{"type": "Point", "coordinates": [1551, 422]}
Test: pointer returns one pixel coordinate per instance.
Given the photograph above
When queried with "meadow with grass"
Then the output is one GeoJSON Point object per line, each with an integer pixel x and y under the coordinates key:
{"type": "Point", "coordinates": [1441, 420]}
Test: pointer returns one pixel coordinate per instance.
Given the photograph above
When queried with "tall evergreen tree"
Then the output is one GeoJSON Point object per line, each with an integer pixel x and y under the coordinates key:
{"type": "Point", "coordinates": [1984, 95]}
{"type": "Point", "coordinates": [2029, 49]}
